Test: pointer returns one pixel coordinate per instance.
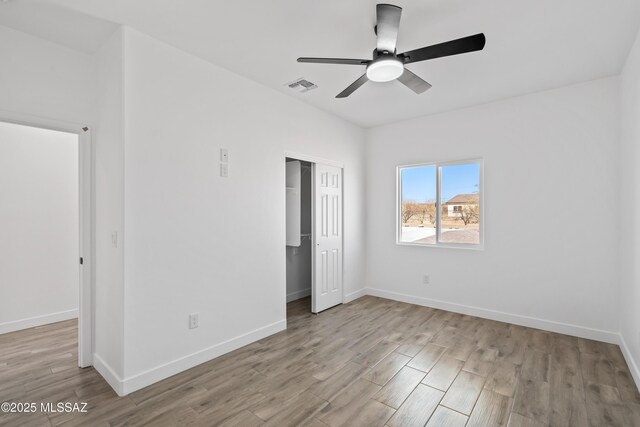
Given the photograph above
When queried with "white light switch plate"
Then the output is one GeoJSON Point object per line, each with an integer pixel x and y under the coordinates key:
{"type": "Point", "coordinates": [224, 155]}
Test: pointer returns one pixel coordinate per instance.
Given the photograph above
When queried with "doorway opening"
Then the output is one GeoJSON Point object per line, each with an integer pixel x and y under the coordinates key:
{"type": "Point", "coordinates": [45, 221]}
{"type": "Point", "coordinates": [299, 233]}
{"type": "Point", "coordinates": [313, 234]}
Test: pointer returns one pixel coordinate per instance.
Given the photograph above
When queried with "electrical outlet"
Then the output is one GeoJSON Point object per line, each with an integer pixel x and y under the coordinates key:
{"type": "Point", "coordinates": [194, 320]}
{"type": "Point", "coordinates": [114, 239]}
{"type": "Point", "coordinates": [224, 170]}
{"type": "Point", "coordinates": [426, 279]}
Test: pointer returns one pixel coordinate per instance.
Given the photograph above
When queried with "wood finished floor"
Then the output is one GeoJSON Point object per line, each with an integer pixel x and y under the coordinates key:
{"type": "Point", "coordinates": [368, 363]}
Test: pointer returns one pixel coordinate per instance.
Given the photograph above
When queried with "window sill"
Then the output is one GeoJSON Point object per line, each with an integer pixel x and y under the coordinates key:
{"type": "Point", "coordinates": [479, 247]}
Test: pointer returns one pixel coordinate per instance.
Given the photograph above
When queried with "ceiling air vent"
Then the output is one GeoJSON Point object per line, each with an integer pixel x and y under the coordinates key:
{"type": "Point", "coordinates": [301, 85]}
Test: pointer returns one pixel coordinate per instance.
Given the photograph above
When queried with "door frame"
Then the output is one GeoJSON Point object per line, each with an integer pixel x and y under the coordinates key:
{"type": "Point", "coordinates": [313, 160]}
{"type": "Point", "coordinates": [86, 207]}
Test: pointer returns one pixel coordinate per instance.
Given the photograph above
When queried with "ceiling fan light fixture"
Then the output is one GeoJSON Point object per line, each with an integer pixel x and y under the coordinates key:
{"type": "Point", "coordinates": [384, 69]}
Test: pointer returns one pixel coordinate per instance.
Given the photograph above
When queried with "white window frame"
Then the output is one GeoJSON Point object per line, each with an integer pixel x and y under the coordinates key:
{"type": "Point", "coordinates": [438, 243]}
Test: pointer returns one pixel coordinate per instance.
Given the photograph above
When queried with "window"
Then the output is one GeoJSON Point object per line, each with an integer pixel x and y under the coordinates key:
{"type": "Point", "coordinates": [440, 204]}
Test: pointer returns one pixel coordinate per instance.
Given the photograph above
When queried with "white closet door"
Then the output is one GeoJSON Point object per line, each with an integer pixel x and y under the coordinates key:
{"type": "Point", "coordinates": [327, 266]}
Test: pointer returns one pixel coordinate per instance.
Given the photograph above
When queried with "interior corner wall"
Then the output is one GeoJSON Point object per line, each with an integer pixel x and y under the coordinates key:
{"type": "Point", "coordinates": [550, 192]}
{"type": "Point", "coordinates": [629, 209]}
{"type": "Point", "coordinates": [109, 213]}
{"type": "Point", "coordinates": [196, 242]}
{"type": "Point", "coordinates": [41, 79]}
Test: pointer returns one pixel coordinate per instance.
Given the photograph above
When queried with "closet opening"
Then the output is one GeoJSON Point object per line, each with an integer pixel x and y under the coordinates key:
{"type": "Point", "coordinates": [299, 232]}
{"type": "Point", "coordinates": [313, 234]}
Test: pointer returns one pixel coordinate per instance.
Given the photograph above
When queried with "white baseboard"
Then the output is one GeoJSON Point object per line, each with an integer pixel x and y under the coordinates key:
{"type": "Point", "coordinates": [32, 322]}
{"type": "Point", "coordinates": [631, 362]}
{"type": "Point", "coordinates": [144, 379]}
{"type": "Point", "coordinates": [108, 374]}
{"type": "Point", "coordinates": [293, 296]}
{"type": "Point", "coordinates": [517, 319]}
{"type": "Point", "coordinates": [354, 295]}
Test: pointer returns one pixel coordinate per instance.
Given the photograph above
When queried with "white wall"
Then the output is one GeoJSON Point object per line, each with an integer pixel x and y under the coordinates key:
{"type": "Point", "coordinates": [39, 275]}
{"type": "Point", "coordinates": [196, 242]}
{"type": "Point", "coordinates": [550, 194]}
{"type": "Point", "coordinates": [45, 80]}
{"type": "Point", "coordinates": [630, 206]}
{"type": "Point", "coordinates": [109, 212]}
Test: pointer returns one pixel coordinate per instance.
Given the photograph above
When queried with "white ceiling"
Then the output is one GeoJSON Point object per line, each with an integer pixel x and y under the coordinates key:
{"type": "Point", "coordinates": [67, 27]}
{"type": "Point", "coordinates": [532, 45]}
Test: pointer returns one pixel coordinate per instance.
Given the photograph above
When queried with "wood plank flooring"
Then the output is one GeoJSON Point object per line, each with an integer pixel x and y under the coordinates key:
{"type": "Point", "coordinates": [371, 362]}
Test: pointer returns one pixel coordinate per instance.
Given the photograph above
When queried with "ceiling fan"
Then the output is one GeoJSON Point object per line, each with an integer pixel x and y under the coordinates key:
{"type": "Point", "coordinates": [386, 65]}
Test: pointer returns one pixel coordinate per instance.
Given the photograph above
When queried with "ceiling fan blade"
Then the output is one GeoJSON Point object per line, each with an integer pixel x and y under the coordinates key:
{"type": "Point", "coordinates": [387, 24]}
{"type": "Point", "coordinates": [413, 82]}
{"type": "Point", "coordinates": [341, 61]}
{"type": "Point", "coordinates": [353, 86]}
{"type": "Point", "coordinates": [453, 47]}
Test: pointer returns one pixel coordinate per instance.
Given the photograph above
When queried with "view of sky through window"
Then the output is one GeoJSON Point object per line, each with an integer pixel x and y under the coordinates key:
{"type": "Point", "coordinates": [419, 184]}
{"type": "Point", "coordinates": [460, 179]}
